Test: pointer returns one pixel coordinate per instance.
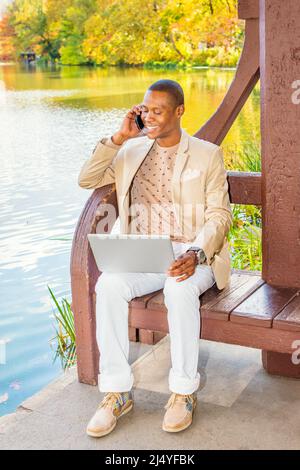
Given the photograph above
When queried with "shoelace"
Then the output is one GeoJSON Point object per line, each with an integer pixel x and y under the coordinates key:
{"type": "Point", "coordinates": [175, 397]}
{"type": "Point", "coordinates": [110, 399]}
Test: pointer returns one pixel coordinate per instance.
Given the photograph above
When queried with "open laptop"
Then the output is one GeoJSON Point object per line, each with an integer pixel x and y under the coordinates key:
{"type": "Point", "coordinates": [132, 253]}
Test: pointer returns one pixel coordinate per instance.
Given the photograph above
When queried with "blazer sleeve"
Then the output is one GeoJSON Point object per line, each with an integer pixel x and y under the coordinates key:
{"type": "Point", "coordinates": [99, 169]}
{"type": "Point", "coordinates": [217, 210]}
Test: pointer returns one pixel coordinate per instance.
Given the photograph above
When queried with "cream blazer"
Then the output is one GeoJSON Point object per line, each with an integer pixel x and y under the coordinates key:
{"type": "Point", "coordinates": [199, 181]}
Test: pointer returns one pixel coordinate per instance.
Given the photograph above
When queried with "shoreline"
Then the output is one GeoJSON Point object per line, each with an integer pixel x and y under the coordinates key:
{"type": "Point", "coordinates": [124, 66]}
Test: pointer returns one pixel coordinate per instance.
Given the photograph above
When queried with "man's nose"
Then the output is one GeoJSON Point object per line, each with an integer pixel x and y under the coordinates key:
{"type": "Point", "coordinates": [149, 120]}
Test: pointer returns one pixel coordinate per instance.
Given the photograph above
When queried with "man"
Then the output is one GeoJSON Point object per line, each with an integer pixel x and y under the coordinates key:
{"type": "Point", "coordinates": [167, 182]}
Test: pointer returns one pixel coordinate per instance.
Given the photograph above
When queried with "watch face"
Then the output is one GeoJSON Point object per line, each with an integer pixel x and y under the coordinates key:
{"type": "Point", "coordinates": [199, 253]}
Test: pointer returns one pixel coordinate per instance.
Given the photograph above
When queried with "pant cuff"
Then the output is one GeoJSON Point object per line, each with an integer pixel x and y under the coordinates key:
{"type": "Point", "coordinates": [115, 383]}
{"type": "Point", "coordinates": [183, 385]}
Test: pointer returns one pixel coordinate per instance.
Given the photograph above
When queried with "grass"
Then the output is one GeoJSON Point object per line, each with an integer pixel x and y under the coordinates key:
{"type": "Point", "coordinates": [64, 339]}
{"type": "Point", "coordinates": [245, 238]}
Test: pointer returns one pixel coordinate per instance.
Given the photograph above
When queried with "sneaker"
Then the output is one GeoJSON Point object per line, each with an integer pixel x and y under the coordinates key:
{"type": "Point", "coordinates": [179, 414]}
{"type": "Point", "coordinates": [113, 406]}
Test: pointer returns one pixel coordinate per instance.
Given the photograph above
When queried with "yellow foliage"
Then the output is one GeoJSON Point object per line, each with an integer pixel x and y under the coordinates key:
{"type": "Point", "coordinates": [130, 31]}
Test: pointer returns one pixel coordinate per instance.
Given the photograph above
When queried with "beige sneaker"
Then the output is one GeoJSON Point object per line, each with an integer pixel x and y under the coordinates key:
{"type": "Point", "coordinates": [113, 406]}
{"type": "Point", "coordinates": [179, 414]}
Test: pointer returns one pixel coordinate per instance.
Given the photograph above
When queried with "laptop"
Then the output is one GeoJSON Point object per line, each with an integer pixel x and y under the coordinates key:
{"type": "Point", "coordinates": [132, 253]}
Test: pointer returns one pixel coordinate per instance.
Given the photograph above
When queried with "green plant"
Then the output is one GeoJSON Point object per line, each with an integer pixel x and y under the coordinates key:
{"type": "Point", "coordinates": [65, 333]}
{"type": "Point", "coordinates": [248, 158]}
{"type": "Point", "coordinates": [245, 238]}
{"type": "Point", "coordinates": [245, 233]}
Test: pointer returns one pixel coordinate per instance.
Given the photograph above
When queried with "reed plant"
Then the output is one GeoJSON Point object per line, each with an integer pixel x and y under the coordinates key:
{"type": "Point", "coordinates": [65, 339]}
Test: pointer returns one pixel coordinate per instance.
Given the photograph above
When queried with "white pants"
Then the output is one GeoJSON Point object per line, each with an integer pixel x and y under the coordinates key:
{"type": "Point", "coordinates": [114, 291]}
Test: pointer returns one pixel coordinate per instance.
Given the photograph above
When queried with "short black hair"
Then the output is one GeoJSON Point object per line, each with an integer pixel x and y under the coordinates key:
{"type": "Point", "coordinates": [172, 88]}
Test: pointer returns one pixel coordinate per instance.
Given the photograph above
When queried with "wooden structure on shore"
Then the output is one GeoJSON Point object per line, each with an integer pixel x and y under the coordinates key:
{"type": "Point", "coordinates": [260, 310]}
{"type": "Point", "coordinates": [27, 57]}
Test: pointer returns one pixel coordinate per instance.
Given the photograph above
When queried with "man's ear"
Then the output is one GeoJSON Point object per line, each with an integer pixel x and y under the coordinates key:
{"type": "Point", "coordinates": [180, 110]}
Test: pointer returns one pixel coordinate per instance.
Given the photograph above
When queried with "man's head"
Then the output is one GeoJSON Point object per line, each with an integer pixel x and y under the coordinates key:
{"type": "Point", "coordinates": [162, 108]}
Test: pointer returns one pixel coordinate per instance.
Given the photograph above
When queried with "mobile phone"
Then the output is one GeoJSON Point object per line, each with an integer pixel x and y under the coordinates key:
{"type": "Point", "coordinates": [139, 122]}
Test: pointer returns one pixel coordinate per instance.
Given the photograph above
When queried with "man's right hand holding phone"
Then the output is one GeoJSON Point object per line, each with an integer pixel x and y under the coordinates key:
{"type": "Point", "coordinates": [128, 129]}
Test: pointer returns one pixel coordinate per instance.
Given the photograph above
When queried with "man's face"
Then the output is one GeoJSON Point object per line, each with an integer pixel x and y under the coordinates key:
{"type": "Point", "coordinates": [159, 114]}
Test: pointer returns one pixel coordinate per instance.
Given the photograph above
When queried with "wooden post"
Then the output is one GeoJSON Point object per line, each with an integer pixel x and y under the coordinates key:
{"type": "Point", "coordinates": [280, 364]}
{"type": "Point", "coordinates": [280, 117]}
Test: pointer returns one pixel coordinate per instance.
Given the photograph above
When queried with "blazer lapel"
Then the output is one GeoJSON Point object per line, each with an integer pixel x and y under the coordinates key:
{"type": "Point", "coordinates": [181, 158]}
{"type": "Point", "coordinates": [134, 160]}
{"type": "Point", "coordinates": [182, 155]}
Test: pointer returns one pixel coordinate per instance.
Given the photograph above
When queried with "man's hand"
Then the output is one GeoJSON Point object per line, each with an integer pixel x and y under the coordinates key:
{"type": "Point", "coordinates": [184, 266]}
{"type": "Point", "coordinates": [128, 128]}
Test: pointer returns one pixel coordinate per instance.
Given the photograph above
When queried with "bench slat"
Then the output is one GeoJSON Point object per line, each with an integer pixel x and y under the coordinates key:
{"type": "Point", "coordinates": [209, 298]}
{"type": "Point", "coordinates": [220, 305]}
{"type": "Point", "coordinates": [142, 302]}
{"type": "Point", "coordinates": [214, 295]}
{"type": "Point", "coordinates": [262, 306]}
{"type": "Point", "coordinates": [155, 300]}
{"type": "Point", "coordinates": [289, 317]}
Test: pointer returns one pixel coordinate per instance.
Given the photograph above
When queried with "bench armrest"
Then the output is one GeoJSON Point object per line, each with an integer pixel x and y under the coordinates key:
{"type": "Point", "coordinates": [84, 275]}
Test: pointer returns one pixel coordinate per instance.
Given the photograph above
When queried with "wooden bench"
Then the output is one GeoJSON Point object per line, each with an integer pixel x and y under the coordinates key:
{"type": "Point", "coordinates": [248, 312]}
{"type": "Point", "coordinates": [259, 310]}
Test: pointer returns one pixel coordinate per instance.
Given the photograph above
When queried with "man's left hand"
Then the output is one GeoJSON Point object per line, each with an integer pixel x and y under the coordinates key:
{"type": "Point", "coordinates": [184, 266]}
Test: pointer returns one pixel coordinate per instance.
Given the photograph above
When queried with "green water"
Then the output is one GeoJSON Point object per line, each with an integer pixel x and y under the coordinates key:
{"type": "Point", "coordinates": [98, 89]}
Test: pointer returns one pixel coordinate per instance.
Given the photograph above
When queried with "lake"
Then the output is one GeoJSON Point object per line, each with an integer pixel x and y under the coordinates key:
{"type": "Point", "coordinates": [51, 119]}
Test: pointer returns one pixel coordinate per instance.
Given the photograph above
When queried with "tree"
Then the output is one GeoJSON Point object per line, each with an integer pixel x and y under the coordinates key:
{"type": "Point", "coordinates": [128, 32]}
{"type": "Point", "coordinates": [7, 34]}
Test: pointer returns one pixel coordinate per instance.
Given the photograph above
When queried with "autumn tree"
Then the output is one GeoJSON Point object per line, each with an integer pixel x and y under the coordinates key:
{"type": "Point", "coordinates": [129, 32]}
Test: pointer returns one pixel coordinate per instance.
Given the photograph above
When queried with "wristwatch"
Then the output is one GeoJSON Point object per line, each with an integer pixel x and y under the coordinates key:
{"type": "Point", "coordinates": [201, 257]}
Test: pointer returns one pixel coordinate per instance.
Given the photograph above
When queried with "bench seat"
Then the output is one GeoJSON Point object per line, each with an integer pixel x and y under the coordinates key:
{"type": "Point", "coordinates": [248, 312]}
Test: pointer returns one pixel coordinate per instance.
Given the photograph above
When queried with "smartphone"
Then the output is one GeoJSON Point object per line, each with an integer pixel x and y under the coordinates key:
{"type": "Point", "coordinates": [139, 122]}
